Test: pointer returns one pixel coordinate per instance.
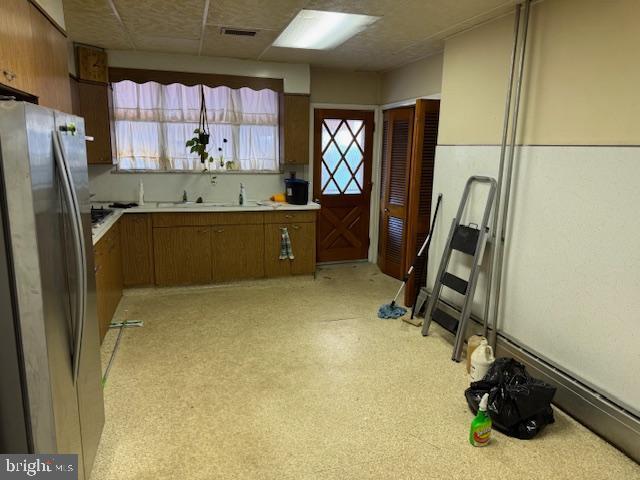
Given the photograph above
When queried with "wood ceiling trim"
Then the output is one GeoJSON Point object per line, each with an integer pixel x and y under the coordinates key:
{"type": "Point", "coordinates": [166, 77]}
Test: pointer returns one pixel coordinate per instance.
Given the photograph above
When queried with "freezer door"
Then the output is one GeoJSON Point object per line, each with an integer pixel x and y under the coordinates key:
{"type": "Point", "coordinates": [25, 139]}
{"type": "Point", "coordinates": [13, 426]}
{"type": "Point", "coordinates": [89, 387]}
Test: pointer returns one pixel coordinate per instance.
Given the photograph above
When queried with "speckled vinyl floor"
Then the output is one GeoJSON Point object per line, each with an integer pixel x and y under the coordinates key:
{"type": "Point", "coordinates": [298, 379]}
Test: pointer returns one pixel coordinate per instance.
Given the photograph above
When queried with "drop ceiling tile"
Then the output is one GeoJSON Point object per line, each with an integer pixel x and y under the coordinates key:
{"type": "Point", "coordinates": [408, 29]}
{"type": "Point", "coordinates": [154, 43]}
{"type": "Point", "coordinates": [93, 22]}
{"type": "Point", "coordinates": [221, 45]}
{"type": "Point", "coordinates": [179, 19]}
{"type": "Point", "coordinates": [254, 14]}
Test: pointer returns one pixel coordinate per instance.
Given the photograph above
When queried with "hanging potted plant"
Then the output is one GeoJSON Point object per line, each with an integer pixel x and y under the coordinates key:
{"type": "Point", "coordinates": [198, 144]}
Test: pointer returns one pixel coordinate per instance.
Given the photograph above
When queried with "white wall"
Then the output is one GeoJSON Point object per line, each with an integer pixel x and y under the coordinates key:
{"type": "Point", "coordinates": [296, 75]}
{"type": "Point", "coordinates": [571, 282]}
{"type": "Point", "coordinates": [414, 80]}
{"type": "Point", "coordinates": [108, 186]}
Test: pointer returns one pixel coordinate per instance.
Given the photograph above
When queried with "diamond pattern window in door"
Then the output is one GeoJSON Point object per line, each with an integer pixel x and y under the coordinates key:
{"type": "Point", "coordinates": [342, 157]}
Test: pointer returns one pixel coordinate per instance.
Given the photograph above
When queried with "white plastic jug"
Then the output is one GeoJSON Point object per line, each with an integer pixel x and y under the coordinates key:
{"type": "Point", "coordinates": [481, 359]}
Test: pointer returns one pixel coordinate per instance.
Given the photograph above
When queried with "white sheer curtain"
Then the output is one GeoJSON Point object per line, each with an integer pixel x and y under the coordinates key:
{"type": "Point", "coordinates": [153, 122]}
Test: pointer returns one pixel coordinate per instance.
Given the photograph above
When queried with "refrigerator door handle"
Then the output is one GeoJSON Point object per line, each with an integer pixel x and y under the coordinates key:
{"type": "Point", "coordinates": [79, 250]}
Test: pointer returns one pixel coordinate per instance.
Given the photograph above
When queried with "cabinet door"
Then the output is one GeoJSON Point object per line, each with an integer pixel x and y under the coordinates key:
{"type": "Point", "coordinates": [137, 249]}
{"type": "Point", "coordinates": [51, 55]}
{"type": "Point", "coordinates": [114, 257]}
{"type": "Point", "coordinates": [296, 129]}
{"type": "Point", "coordinates": [17, 65]}
{"type": "Point", "coordinates": [102, 296]}
{"type": "Point", "coordinates": [182, 255]}
{"type": "Point", "coordinates": [303, 244]}
{"type": "Point", "coordinates": [94, 107]}
{"type": "Point", "coordinates": [238, 252]}
{"type": "Point", "coordinates": [273, 266]}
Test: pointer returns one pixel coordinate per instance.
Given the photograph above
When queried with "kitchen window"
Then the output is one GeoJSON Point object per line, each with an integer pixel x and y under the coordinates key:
{"type": "Point", "coordinates": [154, 121]}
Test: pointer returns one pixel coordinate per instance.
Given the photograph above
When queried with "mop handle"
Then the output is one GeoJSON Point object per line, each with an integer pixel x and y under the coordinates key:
{"type": "Point", "coordinates": [426, 242]}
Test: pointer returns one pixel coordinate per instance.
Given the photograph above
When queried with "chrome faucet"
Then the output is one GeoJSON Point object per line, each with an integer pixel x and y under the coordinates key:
{"type": "Point", "coordinates": [184, 196]}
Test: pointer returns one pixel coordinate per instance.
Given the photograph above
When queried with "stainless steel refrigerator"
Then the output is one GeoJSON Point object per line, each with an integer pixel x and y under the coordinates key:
{"type": "Point", "coordinates": [50, 375]}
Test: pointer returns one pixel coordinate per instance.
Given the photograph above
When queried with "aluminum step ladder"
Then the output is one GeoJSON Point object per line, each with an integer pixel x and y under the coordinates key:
{"type": "Point", "coordinates": [470, 240]}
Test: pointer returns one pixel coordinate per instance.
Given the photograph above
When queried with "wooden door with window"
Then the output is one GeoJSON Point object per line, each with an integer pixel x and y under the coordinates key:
{"type": "Point", "coordinates": [397, 136]}
{"type": "Point", "coordinates": [343, 143]}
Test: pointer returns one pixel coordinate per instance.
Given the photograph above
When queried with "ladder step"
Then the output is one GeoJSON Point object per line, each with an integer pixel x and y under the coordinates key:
{"type": "Point", "coordinates": [455, 283]}
{"type": "Point", "coordinates": [465, 239]}
{"type": "Point", "coordinates": [445, 320]}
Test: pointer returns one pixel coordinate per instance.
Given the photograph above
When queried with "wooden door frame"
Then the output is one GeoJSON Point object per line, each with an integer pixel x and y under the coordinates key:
{"type": "Point", "coordinates": [357, 112]}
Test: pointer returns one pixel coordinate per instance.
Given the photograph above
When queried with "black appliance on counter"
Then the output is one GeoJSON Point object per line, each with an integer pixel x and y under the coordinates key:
{"type": "Point", "coordinates": [99, 214]}
{"type": "Point", "coordinates": [297, 190]}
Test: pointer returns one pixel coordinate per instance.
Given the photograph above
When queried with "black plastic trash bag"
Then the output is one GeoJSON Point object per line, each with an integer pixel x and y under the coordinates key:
{"type": "Point", "coordinates": [519, 405]}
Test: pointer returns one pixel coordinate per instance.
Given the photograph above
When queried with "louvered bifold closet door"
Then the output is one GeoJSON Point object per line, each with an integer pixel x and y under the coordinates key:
{"type": "Point", "coordinates": [421, 188]}
{"type": "Point", "coordinates": [396, 161]}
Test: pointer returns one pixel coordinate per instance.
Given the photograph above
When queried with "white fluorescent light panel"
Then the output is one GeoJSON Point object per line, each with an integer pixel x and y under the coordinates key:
{"type": "Point", "coordinates": [318, 30]}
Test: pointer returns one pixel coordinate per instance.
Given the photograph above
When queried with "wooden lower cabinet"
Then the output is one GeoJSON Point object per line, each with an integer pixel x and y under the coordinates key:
{"type": "Point", "coordinates": [108, 268]}
{"type": "Point", "coordinates": [136, 238]}
{"type": "Point", "coordinates": [204, 247]}
{"type": "Point", "coordinates": [303, 245]}
{"type": "Point", "coordinates": [182, 255]}
{"type": "Point", "coordinates": [238, 252]}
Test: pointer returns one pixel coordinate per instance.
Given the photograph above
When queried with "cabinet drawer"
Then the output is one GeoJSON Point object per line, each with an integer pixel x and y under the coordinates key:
{"type": "Point", "coordinates": [197, 219]}
{"type": "Point", "coordinates": [290, 216]}
{"type": "Point", "coordinates": [188, 219]}
{"type": "Point", "coordinates": [239, 218]}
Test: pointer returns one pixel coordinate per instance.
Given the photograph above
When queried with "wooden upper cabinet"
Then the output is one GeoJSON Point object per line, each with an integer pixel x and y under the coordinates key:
{"type": "Point", "coordinates": [95, 104]}
{"type": "Point", "coordinates": [17, 65]}
{"type": "Point", "coordinates": [52, 85]}
{"type": "Point", "coordinates": [137, 249]}
{"type": "Point", "coordinates": [295, 129]}
{"type": "Point", "coordinates": [92, 64]}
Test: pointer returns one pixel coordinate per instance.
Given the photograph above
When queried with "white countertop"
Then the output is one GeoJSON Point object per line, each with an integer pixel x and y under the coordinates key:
{"type": "Point", "coordinates": [103, 227]}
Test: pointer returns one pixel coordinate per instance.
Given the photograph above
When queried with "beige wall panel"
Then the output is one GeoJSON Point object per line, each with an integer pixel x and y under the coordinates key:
{"type": "Point", "coordinates": [417, 79]}
{"type": "Point", "coordinates": [474, 79]}
{"type": "Point", "coordinates": [343, 86]}
{"type": "Point", "coordinates": [581, 79]}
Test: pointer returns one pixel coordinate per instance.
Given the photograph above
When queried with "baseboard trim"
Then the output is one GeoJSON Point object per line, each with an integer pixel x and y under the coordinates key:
{"type": "Point", "coordinates": [613, 423]}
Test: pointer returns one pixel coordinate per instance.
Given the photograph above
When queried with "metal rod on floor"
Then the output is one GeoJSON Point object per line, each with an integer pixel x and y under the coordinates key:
{"type": "Point", "coordinates": [121, 326]}
{"type": "Point", "coordinates": [500, 235]}
{"type": "Point", "coordinates": [503, 149]}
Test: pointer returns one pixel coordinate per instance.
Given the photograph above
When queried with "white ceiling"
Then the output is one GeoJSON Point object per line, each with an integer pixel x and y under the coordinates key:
{"type": "Point", "coordinates": [407, 31]}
